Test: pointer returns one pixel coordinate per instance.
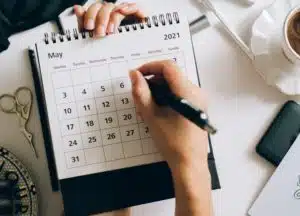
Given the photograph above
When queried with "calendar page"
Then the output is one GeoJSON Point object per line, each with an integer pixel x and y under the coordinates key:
{"type": "Point", "coordinates": [92, 116]}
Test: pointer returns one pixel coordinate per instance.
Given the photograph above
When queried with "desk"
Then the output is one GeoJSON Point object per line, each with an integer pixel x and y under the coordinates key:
{"type": "Point", "coordinates": [241, 105]}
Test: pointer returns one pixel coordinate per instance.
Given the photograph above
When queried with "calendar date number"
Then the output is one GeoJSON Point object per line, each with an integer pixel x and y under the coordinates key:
{"type": "Point", "coordinates": [92, 139]}
{"type": "Point", "coordinates": [171, 36]}
{"type": "Point", "coordinates": [75, 159]}
{"type": "Point", "coordinates": [111, 136]}
{"type": "Point", "coordinates": [73, 143]}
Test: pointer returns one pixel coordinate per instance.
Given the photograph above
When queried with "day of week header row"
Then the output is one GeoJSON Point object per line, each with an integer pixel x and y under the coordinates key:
{"type": "Point", "coordinates": [132, 57]}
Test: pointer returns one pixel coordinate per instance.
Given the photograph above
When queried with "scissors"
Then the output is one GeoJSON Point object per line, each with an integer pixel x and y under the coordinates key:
{"type": "Point", "coordinates": [20, 103]}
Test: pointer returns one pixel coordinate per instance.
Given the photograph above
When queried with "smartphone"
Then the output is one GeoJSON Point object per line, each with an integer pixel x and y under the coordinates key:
{"type": "Point", "coordinates": [281, 134]}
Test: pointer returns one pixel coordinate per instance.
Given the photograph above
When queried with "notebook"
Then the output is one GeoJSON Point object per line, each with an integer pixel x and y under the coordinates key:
{"type": "Point", "coordinates": [281, 195]}
{"type": "Point", "coordinates": [104, 155]}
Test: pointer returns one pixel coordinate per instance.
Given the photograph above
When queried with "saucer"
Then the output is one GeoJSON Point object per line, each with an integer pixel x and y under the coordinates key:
{"type": "Point", "coordinates": [266, 45]}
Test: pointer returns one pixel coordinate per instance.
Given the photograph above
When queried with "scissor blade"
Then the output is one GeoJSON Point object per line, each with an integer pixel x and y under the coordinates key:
{"type": "Point", "coordinates": [29, 138]}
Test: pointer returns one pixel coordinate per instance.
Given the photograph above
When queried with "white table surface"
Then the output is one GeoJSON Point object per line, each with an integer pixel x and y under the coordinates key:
{"type": "Point", "coordinates": [241, 105]}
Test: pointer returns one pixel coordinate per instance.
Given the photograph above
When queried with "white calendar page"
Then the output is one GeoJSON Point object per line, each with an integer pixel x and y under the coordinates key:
{"type": "Point", "coordinates": [92, 117]}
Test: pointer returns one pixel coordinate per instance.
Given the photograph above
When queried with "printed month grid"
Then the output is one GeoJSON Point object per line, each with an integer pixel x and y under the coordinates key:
{"type": "Point", "coordinates": [97, 114]}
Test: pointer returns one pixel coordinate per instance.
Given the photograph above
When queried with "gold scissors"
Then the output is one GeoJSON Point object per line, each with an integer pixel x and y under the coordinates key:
{"type": "Point", "coordinates": [20, 103]}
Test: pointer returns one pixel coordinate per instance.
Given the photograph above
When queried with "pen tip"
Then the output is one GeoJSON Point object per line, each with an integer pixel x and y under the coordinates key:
{"type": "Point", "coordinates": [210, 129]}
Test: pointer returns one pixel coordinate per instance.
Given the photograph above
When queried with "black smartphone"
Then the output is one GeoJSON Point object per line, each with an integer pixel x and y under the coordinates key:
{"type": "Point", "coordinates": [281, 135]}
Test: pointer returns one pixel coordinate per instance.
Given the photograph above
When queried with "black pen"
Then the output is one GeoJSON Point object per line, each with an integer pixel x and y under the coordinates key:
{"type": "Point", "coordinates": [163, 96]}
{"type": "Point", "coordinates": [33, 58]}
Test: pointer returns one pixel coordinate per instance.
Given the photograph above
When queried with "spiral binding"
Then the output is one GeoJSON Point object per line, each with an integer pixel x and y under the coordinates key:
{"type": "Point", "coordinates": [150, 22]}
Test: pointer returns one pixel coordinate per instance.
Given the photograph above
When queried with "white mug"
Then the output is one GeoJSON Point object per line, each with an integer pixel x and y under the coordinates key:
{"type": "Point", "coordinates": [289, 51]}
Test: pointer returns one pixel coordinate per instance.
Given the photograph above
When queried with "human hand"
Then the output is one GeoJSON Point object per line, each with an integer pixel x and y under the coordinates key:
{"type": "Point", "coordinates": [179, 140]}
{"type": "Point", "coordinates": [105, 18]}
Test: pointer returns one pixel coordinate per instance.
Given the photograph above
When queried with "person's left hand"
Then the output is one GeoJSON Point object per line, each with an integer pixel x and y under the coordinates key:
{"type": "Point", "coordinates": [105, 18]}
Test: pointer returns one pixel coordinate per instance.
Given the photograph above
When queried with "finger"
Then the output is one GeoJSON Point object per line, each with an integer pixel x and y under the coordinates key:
{"type": "Point", "coordinates": [132, 9]}
{"type": "Point", "coordinates": [115, 21]}
{"type": "Point", "coordinates": [79, 11]}
{"type": "Point", "coordinates": [103, 19]}
{"type": "Point", "coordinates": [178, 83]}
{"type": "Point", "coordinates": [141, 94]}
{"type": "Point", "coordinates": [90, 16]}
{"type": "Point", "coordinates": [118, 7]}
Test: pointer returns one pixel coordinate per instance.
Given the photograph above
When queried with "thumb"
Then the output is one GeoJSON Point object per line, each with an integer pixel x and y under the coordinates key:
{"type": "Point", "coordinates": [141, 93]}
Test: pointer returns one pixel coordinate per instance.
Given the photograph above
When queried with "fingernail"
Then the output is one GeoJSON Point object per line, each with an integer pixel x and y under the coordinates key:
{"type": "Point", "coordinates": [90, 24]}
{"type": "Point", "coordinates": [133, 77]}
{"type": "Point", "coordinates": [75, 9]}
{"type": "Point", "coordinates": [111, 28]}
{"type": "Point", "coordinates": [100, 31]}
{"type": "Point", "coordinates": [116, 29]}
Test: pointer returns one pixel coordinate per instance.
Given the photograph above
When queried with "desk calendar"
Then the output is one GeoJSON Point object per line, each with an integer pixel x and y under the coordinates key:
{"type": "Point", "coordinates": [87, 93]}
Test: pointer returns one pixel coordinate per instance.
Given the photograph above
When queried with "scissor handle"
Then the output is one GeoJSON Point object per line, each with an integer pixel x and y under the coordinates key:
{"type": "Point", "coordinates": [18, 94]}
{"type": "Point", "coordinates": [25, 107]}
{"type": "Point", "coordinates": [8, 109]}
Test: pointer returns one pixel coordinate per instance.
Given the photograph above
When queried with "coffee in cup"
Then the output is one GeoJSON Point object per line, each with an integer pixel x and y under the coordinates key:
{"type": "Point", "coordinates": [292, 36]}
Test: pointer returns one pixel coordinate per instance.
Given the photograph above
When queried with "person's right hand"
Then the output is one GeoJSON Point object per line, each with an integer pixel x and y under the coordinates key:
{"type": "Point", "coordinates": [179, 140]}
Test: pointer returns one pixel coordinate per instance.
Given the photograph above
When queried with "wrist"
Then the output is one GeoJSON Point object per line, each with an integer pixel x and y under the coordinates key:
{"type": "Point", "coordinates": [192, 183]}
{"type": "Point", "coordinates": [191, 173]}
{"type": "Point", "coordinates": [190, 169]}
